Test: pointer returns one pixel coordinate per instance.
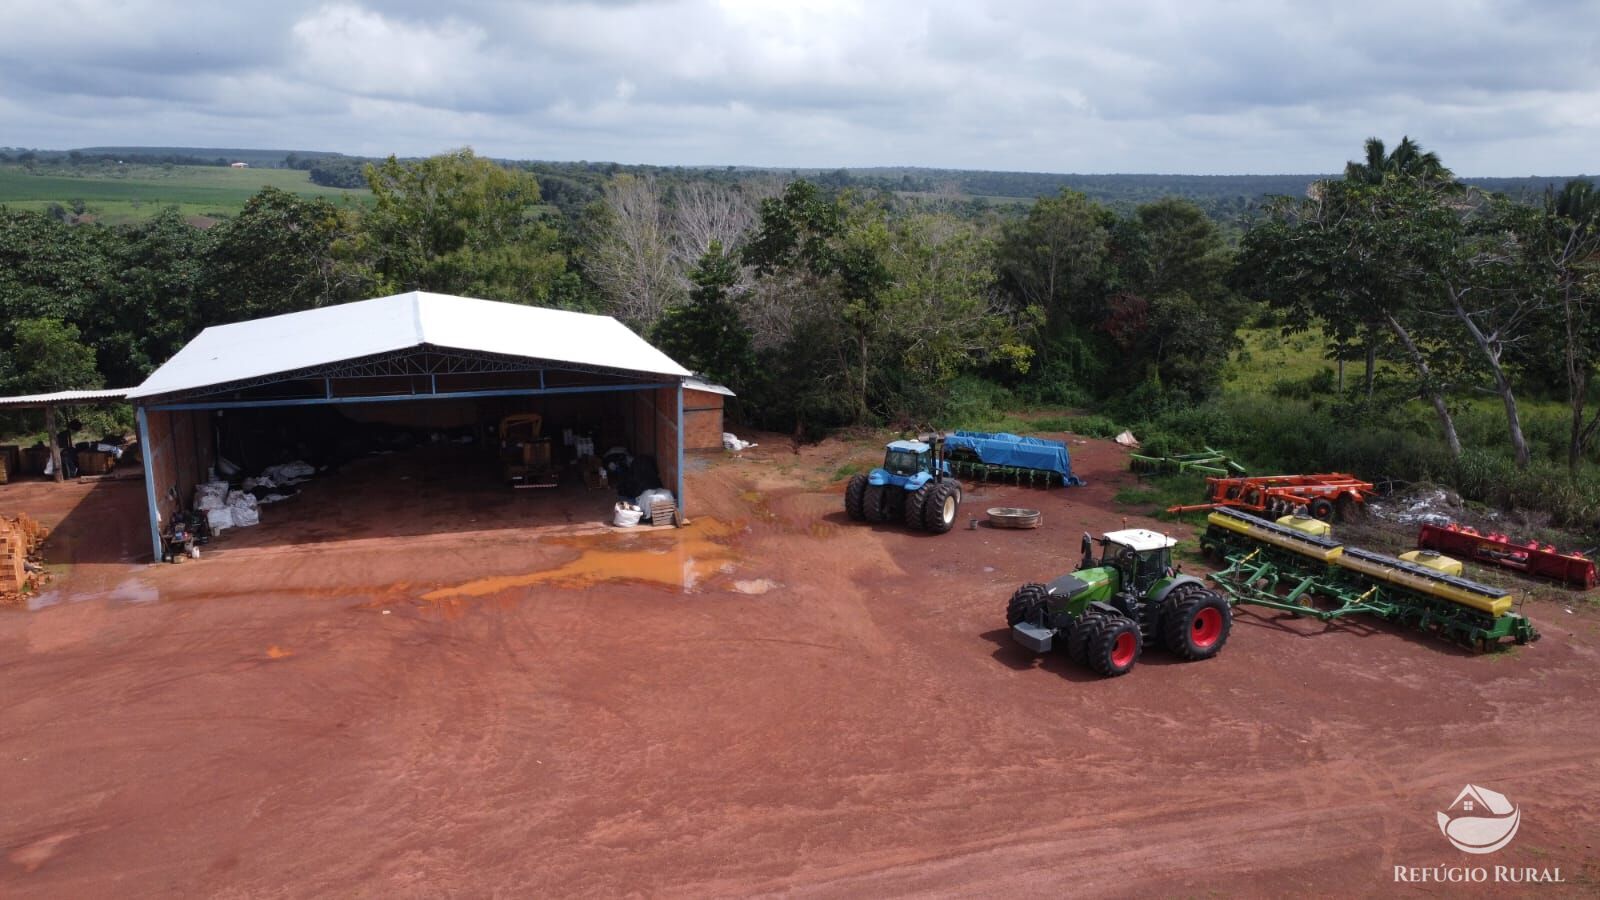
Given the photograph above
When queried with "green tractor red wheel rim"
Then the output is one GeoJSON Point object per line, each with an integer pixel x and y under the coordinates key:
{"type": "Point", "coordinates": [1206, 628]}
{"type": "Point", "coordinates": [1123, 649]}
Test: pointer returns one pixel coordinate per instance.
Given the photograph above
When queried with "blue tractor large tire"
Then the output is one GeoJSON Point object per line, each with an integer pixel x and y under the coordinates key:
{"type": "Point", "coordinates": [855, 498]}
{"type": "Point", "coordinates": [875, 504]}
{"type": "Point", "coordinates": [939, 513]}
{"type": "Point", "coordinates": [916, 504]}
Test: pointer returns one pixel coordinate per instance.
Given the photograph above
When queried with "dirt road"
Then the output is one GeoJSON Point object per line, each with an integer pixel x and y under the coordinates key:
{"type": "Point", "coordinates": [772, 699]}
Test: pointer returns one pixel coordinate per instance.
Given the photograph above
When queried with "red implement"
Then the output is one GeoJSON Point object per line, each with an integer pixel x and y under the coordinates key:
{"type": "Point", "coordinates": [1320, 496]}
{"type": "Point", "coordinates": [1544, 560]}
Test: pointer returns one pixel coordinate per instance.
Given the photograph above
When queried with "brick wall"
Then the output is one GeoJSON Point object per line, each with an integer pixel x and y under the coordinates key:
{"type": "Point", "coordinates": [702, 420]}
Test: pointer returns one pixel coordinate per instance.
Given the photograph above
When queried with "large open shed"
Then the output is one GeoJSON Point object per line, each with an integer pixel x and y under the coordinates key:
{"type": "Point", "coordinates": [443, 364]}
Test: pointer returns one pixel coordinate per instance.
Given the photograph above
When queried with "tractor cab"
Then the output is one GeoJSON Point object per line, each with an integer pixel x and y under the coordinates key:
{"type": "Point", "coordinates": [906, 458]}
{"type": "Point", "coordinates": [911, 464]}
{"type": "Point", "coordinates": [1140, 557]}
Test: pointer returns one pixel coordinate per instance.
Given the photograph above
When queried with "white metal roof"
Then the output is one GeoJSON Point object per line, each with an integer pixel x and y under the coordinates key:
{"type": "Point", "coordinates": [1140, 539]}
{"type": "Point", "coordinates": [64, 398]}
{"type": "Point", "coordinates": [696, 383]}
{"type": "Point", "coordinates": [314, 337]}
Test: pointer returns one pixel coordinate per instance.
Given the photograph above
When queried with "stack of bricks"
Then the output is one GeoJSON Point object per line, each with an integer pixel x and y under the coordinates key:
{"type": "Point", "coordinates": [19, 538]}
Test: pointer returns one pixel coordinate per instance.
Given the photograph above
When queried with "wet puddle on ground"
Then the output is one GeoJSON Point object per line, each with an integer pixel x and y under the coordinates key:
{"type": "Point", "coordinates": [131, 590]}
{"type": "Point", "coordinates": [682, 559]}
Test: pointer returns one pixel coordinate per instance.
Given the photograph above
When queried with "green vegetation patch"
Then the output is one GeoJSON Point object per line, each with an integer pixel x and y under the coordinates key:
{"type": "Point", "coordinates": [130, 193]}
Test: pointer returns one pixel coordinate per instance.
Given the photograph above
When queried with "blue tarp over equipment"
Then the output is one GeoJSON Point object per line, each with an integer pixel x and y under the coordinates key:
{"type": "Point", "coordinates": [1014, 450]}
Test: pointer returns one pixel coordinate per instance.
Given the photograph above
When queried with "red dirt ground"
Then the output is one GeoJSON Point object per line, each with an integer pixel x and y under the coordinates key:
{"type": "Point", "coordinates": [400, 688]}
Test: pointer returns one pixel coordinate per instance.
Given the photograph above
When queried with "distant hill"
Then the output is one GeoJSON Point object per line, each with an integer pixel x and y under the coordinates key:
{"type": "Point", "coordinates": [570, 186]}
{"type": "Point", "coordinates": [1131, 188]}
{"type": "Point", "coordinates": [263, 158]}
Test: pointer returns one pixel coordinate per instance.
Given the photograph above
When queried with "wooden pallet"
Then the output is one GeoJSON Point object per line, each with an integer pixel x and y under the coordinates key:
{"type": "Point", "coordinates": [663, 512]}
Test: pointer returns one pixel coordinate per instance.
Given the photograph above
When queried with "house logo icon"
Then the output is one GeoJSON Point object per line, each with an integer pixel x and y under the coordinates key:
{"type": "Point", "coordinates": [1480, 820]}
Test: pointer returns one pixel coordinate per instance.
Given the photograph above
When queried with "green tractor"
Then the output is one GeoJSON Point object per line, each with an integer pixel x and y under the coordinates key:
{"type": "Point", "coordinates": [1105, 613]}
{"type": "Point", "coordinates": [913, 486]}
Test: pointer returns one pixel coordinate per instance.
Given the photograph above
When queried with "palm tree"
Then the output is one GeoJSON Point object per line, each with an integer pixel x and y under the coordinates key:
{"type": "Point", "coordinates": [1578, 203]}
{"type": "Point", "coordinates": [1408, 160]}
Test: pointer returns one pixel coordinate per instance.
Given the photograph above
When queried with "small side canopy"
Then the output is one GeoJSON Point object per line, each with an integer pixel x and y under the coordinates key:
{"type": "Point", "coordinates": [64, 398]}
{"type": "Point", "coordinates": [49, 402]}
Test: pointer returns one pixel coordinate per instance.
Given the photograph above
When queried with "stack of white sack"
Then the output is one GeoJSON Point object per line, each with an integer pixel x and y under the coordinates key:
{"type": "Point", "coordinates": [211, 498]}
{"type": "Point", "coordinates": [242, 507]}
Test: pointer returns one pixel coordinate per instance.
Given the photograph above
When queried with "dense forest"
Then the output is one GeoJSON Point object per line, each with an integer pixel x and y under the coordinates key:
{"type": "Point", "coordinates": [909, 297]}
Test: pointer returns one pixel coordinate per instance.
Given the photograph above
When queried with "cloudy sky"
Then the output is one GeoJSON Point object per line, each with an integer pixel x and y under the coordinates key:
{"type": "Point", "coordinates": [1206, 86]}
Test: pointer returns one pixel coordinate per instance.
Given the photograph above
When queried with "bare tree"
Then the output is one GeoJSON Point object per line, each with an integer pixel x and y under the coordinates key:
{"type": "Point", "coordinates": [631, 259]}
{"type": "Point", "coordinates": [704, 213]}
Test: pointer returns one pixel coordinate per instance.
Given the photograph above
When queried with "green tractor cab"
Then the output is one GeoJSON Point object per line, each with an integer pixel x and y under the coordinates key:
{"type": "Point", "coordinates": [1106, 612]}
{"type": "Point", "coordinates": [914, 486]}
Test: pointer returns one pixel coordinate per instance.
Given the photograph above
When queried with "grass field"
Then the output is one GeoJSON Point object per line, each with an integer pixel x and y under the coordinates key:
{"type": "Point", "coordinates": [131, 193]}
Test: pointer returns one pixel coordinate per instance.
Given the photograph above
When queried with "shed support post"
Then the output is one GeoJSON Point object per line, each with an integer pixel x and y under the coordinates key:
{"type": "Point", "coordinates": [683, 510]}
{"type": "Point", "coordinates": [148, 454]}
{"type": "Point", "coordinates": [50, 438]}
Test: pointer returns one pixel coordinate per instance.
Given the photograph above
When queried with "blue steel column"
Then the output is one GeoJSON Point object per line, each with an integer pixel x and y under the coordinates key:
{"type": "Point", "coordinates": [147, 451]}
{"type": "Point", "coordinates": [683, 510]}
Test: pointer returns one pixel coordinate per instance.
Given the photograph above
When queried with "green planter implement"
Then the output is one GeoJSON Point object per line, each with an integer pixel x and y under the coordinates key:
{"type": "Point", "coordinates": [1272, 565]}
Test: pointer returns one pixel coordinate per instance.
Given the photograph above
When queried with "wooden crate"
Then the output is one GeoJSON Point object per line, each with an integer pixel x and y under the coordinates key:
{"type": "Point", "coordinates": [34, 460]}
{"type": "Point", "coordinates": [95, 462]}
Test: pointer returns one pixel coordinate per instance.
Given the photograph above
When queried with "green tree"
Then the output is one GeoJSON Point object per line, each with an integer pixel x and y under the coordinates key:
{"type": "Point", "coordinates": [707, 334]}
{"type": "Point", "coordinates": [458, 223]}
{"type": "Point", "coordinates": [49, 269]}
{"type": "Point", "coordinates": [151, 305]}
{"type": "Point", "coordinates": [1410, 164]}
{"type": "Point", "coordinates": [1051, 258]}
{"type": "Point", "coordinates": [282, 253]}
{"type": "Point", "coordinates": [45, 356]}
{"type": "Point", "coordinates": [1186, 251]}
{"type": "Point", "coordinates": [1350, 254]}
{"type": "Point", "coordinates": [1477, 273]}
{"type": "Point", "coordinates": [1567, 245]}
{"type": "Point", "coordinates": [1169, 312]}
{"type": "Point", "coordinates": [943, 314]}
{"type": "Point", "coordinates": [826, 252]}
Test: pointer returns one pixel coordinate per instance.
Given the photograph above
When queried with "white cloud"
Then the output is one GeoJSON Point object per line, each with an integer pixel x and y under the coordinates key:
{"type": "Point", "coordinates": [1158, 85]}
{"type": "Point", "coordinates": [358, 52]}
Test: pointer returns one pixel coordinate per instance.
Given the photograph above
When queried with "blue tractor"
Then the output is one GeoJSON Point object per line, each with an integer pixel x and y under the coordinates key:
{"type": "Point", "coordinates": [913, 486]}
